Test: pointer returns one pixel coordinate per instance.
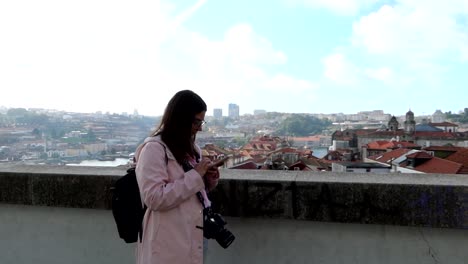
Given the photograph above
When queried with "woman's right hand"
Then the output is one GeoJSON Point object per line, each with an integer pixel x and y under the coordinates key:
{"type": "Point", "coordinates": [203, 166]}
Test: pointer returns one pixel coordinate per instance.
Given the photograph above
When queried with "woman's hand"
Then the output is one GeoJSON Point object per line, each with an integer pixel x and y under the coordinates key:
{"type": "Point", "coordinates": [203, 166]}
{"type": "Point", "coordinates": [211, 178]}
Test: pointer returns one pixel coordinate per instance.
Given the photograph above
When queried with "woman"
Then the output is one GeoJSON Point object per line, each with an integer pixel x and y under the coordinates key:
{"type": "Point", "coordinates": [172, 224]}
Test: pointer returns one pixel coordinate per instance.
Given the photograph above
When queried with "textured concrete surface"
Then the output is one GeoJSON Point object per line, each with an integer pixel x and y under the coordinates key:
{"type": "Point", "coordinates": [57, 235]}
{"type": "Point", "coordinates": [434, 200]}
{"type": "Point", "coordinates": [61, 186]}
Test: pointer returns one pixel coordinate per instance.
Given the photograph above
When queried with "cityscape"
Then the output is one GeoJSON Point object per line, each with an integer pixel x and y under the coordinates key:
{"type": "Point", "coordinates": [343, 126]}
{"type": "Point", "coordinates": [368, 182]}
{"type": "Point", "coordinates": [367, 141]}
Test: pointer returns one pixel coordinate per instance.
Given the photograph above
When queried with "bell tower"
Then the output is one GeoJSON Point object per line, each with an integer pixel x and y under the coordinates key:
{"type": "Point", "coordinates": [393, 124]}
{"type": "Point", "coordinates": [410, 124]}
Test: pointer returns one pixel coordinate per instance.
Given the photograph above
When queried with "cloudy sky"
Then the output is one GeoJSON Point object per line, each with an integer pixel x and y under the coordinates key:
{"type": "Point", "coordinates": [297, 56]}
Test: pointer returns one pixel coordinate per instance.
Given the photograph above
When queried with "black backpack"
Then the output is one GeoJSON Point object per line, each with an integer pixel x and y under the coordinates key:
{"type": "Point", "coordinates": [126, 206]}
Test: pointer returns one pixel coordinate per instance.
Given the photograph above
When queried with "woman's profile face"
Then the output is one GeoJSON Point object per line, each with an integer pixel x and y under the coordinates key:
{"type": "Point", "coordinates": [198, 122]}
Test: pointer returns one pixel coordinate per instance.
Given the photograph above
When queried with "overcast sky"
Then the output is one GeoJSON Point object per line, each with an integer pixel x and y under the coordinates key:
{"type": "Point", "coordinates": [297, 56]}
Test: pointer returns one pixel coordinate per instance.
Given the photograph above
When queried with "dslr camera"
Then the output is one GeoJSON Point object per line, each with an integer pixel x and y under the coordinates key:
{"type": "Point", "coordinates": [213, 227]}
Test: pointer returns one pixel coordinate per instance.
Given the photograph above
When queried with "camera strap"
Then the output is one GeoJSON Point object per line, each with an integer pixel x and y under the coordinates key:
{"type": "Point", "coordinates": [186, 166]}
{"type": "Point", "coordinates": [200, 198]}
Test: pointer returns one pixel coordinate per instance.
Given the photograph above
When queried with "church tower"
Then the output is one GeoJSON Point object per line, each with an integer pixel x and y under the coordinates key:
{"type": "Point", "coordinates": [438, 117]}
{"type": "Point", "coordinates": [393, 124]}
{"type": "Point", "coordinates": [410, 124]}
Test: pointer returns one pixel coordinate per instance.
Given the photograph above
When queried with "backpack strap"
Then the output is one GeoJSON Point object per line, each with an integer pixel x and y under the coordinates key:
{"type": "Point", "coordinates": [140, 147]}
{"type": "Point", "coordinates": [140, 232]}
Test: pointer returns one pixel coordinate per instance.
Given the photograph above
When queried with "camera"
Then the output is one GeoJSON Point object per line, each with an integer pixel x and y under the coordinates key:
{"type": "Point", "coordinates": [213, 227]}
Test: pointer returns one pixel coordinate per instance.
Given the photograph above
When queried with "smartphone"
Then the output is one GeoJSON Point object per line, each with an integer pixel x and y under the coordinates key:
{"type": "Point", "coordinates": [218, 162]}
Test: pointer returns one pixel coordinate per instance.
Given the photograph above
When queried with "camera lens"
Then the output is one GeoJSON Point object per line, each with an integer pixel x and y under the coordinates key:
{"type": "Point", "coordinates": [225, 238]}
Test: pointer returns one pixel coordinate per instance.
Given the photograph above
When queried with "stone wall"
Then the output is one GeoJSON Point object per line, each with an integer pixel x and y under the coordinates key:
{"type": "Point", "coordinates": [54, 215]}
{"type": "Point", "coordinates": [428, 200]}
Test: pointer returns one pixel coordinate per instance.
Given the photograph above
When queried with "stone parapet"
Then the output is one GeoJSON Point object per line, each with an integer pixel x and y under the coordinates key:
{"type": "Point", "coordinates": [428, 200]}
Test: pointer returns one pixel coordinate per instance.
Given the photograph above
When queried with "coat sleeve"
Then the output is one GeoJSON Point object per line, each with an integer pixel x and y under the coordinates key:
{"type": "Point", "coordinates": [157, 191]}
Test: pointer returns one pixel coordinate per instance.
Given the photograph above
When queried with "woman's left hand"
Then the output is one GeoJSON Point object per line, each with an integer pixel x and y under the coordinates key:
{"type": "Point", "coordinates": [211, 178]}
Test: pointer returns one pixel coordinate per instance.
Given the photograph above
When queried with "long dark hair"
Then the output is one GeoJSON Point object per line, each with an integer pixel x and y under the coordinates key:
{"type": "Point", "coordinates": [176, 124]}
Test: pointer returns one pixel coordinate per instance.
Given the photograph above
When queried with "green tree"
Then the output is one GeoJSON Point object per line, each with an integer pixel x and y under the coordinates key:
{"type": "Point", "coordinates": [17, 112]}
{"type": "Point", "coordinates": [37, 133]}
{"type": "Point", "coordinates": [53, 133]}
{"type": "Point", "coordinates": [302, 125]}
{"type": "Point", "coordinates": [91, 136]}
{"type": "Point", "coordinates": [239, 141]}
{"type": "Point", "coordinates": [5, 119]}
{"type": "Point", "coordinates": [220, 143]}
{"type": "Point", "coordinates": [8, 139]}
{"type": "Point", "coordinates": [462, 117]}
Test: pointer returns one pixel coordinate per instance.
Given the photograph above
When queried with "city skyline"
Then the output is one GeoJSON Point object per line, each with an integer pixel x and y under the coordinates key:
{"type": "Point", "coordinates": [292, 56]}
{"type": "Point", "coordinates": [217, 113]}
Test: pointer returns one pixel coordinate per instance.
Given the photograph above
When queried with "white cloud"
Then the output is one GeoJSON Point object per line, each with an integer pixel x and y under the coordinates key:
{"type": "Point", "coordinates": [383, 74]}
{"type": "Point", "coordinates": [69, 56]}
{"type": "Point", "coordinates": [233, 69]}
{"type": "Point", "coordinates": [285, 83]}
{"type": "Point", "coordinates": [245, 46]}
{"type": "Point", "coordinates": [414, 30]}
{"type": "Point", "coordinates": [400, 45]}
{"type": "Point", "coordinates": [339, 69]}
{"type": "Point", "coordinates": [186, 14]}
{"type": "Point", "coordinates": [449, 7]}
{"type": "Point", "coordinates": [342, 7]}
{"type": "Point", "coordinates": [242, 52]}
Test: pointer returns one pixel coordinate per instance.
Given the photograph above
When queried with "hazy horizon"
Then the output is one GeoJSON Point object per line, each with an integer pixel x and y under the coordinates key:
{"type": "Point", "coordinates": [225, 114]}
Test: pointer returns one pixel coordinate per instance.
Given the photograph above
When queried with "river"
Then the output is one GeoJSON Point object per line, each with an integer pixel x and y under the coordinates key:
{"type": "Point", "coordinates": [319, 152]}
{"type": "Point", "coordinates": [110, 163]}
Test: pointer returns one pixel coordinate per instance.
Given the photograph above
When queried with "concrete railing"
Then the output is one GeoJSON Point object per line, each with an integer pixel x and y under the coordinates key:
{"type": "Point", "coordinates": [60, 215]}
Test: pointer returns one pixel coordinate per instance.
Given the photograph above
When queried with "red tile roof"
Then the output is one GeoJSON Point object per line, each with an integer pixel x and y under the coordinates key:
{"type": "Point", "coordinates": [384, 144]}
{"type": "Point", "coordinates": [420, 155]}
{"type": "Point", "coordinates": [247, 146]}
{"type": "Point", "coordinates": [442, 148]}
{"type": "Point", "coordinates": [463, 170]}
{"type": "Point", "coordinates": [389, 156]}
{"type": "Point", "coordinates": [286, 150]}
{"type": "Point", "coordinates": [421, 134]}
{"type": "Point", "coordinates": [399, 132]}
{"type": "Point", "coordinates": [446, 124]}
{"type": "Point", "coordinates": [249, 165]}
{"type": "Point", "coordinates": [298, 164]}
{"type": "Point", "coordinates": [259, 159]}
{"type": "Point", "coordinates": [361, 132]}
{"type": "Point", "coordinates": [438, 165]}
{"type": "Point", "coordinates": [460, 156]}
{"type": "Point", "coordinates": [315, 162]}
{"type": "Point", "coordinates": [430, 134]}
{"type": "Point", "coordinates": [377, 144]}
{"type": "Point", "coordinates": [310, 138]}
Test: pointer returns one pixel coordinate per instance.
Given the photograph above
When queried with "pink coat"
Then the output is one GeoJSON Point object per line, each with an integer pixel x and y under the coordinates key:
{"type": "Point", "coordinates": [170, 233]}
